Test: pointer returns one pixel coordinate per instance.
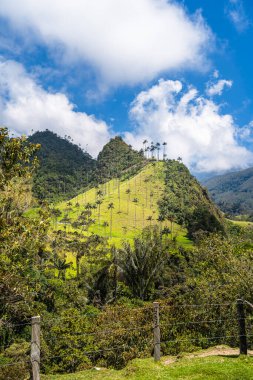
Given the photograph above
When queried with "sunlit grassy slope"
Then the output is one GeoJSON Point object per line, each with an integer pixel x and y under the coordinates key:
{"type": "Point", "coordinates": [134, 207]}
{"type": "Point", "coordinates": [242, 223]}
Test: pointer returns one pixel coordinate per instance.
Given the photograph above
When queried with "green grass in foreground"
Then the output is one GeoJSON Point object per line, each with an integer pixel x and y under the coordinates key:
{"type": "Point", "coordinates": [209, 368]}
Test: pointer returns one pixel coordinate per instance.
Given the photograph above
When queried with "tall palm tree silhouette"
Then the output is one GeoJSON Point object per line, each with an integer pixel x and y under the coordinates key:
{"type": "Point", "coordinates": [164, 150]}
{"type": "Point", "coordinates": [111, 207]}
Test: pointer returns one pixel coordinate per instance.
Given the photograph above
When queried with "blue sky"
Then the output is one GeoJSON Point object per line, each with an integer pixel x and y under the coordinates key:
{"type": "Point", "coordinates": [174, 71]}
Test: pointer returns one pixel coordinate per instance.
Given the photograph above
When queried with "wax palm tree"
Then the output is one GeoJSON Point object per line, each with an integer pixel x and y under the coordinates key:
{"type": "Point", "coordinates": [60, 264]}
{"type": "Point", "coordinates": [99, 202]}
{"type": "Point", "coordinates": [128, 192]}
{"type": "Point", "coordinates": [146, 188]}
{"type": "Point", "coordinates": [135, 201]}
{"type": "Point", "coordinates": [160, 220]}
{"type": "Point", "coordinates": [94, 206]}
{"type": "Point", "coordinates": [158, 150]}
{"type": "Point", "coordinates": [152, 149]}
{"type": "Point", "coordinates": [145, 145]}
{"type": "Point", "coordinates": [111, 207]}
{"type": "Point", "coordinates": [105, 225]}
{"type": "Point", "coordinates": [143, 214]}
{"type": "Point", "coordinates": [56, 213]}
{"type": "Point", "coordinates": [151, 197]}
{"type": "Point", "coordinates": [119, 192]}
{"type": "Point", "coordinates": [88, 206]}
{"type": "Point", "coordinates": [147, 150]}
{"type": "Point", "coordinates": [78, 248]}
{"type": "Point", "coordinates": [99, 193]}
{"type": "Point", "coordinates": [164, 150]}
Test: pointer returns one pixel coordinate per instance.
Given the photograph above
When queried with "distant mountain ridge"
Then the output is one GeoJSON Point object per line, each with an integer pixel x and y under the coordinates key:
{"type": "Point", "coordinates": [233, 192]}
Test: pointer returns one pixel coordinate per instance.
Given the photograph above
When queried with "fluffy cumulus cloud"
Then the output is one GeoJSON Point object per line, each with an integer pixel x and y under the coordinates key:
{"type": "Point", "coordinates": [25, 105]}
{"type": "Point", "coordinates": [218, 87]}
{"type": "Point", "coordinates": [126, 41]}
{"type": "Point", "coordinates": [193, 126]}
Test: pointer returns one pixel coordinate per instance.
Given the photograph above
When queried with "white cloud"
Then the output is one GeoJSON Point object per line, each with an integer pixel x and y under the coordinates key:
{"type": "Point", "coordinates": [217, 88]}
{"type": "Point", "coordinates": [216, 74]}
{"type": "Point", "coordinates": [126, 41]}
{"type": "Point", "coordinates": [245, 133]}
{"type": "Point", "coordinates": [24, 105]}
{"type": "Point", "coordinates": [237, 15]}
{"type": "Point", "coordinates": [193, 127]}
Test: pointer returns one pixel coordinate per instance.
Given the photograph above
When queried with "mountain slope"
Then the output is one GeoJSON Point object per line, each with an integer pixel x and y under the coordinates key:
{"type": "Point", "coordinates": [187, 202]}
{"type": "Point", "coordinates": [134, 203]}
{"type": "Point", "coordinates": [233, 192]}
{"type": "Point", "coordinates": [64, 167]}
{"type": "Point", "coordinates": [163, 194]}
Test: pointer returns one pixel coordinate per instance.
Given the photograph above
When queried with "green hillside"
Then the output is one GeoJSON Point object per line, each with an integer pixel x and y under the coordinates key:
{"type": "Point", "coordinates": [162, 193]}
{"type": "Point", "coordinates": [134, 205]}
{"type": "Point", "coordinates": [233, 192]}
{"type": "Point", "coordinates": [64, 167]}
{"type": "Point", "coordinates": [187, 202]}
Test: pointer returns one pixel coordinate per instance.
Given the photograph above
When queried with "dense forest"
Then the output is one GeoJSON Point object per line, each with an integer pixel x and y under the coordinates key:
{"type": "Point", "coordinates": [63, 170]}
{"type": "Point", "coordinates": [91, 293]}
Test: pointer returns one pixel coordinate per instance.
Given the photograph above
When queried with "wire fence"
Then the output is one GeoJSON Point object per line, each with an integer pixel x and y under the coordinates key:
{"type": "Point", "coordinates": [116, 335]}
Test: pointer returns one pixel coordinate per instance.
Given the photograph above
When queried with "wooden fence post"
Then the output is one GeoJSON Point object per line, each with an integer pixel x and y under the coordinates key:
{"type": "Point", "coordinates": [35, 348]}
{"type": "Point", "coordinates": [242, 327]}
{"type": "Point", "coordinates": [157, 337]}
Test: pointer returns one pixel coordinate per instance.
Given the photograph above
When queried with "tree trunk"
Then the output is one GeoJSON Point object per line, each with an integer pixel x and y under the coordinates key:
{"type": "Point", "coordinates": [111, 225]}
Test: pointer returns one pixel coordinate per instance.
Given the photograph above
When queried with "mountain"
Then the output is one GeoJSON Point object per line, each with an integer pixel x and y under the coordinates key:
{"type": "Point", "coordinates": [233, 192]}
{"type": "Point", "coordinates": [141, 192]}
{"type": "Point", "coordinates": [64, 167]}
{"type": "Point", "coordinates": [161, 193]}
{"type": "Point", "coordinates": [118, 158]}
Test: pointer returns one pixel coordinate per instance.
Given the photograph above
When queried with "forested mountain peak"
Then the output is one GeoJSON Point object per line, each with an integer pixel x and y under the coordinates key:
{"type": "Point", "coordinates": [116, 157]}
{"type": "Point", "coordinates": [64, 167]}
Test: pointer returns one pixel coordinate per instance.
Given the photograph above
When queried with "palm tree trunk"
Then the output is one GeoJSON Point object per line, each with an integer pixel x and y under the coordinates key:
{"type": "Point", "coordinates": [111, 225]}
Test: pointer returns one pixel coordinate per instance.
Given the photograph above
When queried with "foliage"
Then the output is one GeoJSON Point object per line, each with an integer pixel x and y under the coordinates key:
{"type": "Point", "coordinates": [64, 168]}
{"type": "Point", "coordinates": [144, 264]}
{"type": "Point", "coordinates": [118, 159]}
{"type": "Point", "coordinates": [90, 294]}
{"type": "Point", "coordinates": [186, 202]}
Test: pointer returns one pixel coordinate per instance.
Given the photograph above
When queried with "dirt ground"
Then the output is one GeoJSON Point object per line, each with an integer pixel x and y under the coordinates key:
{"type": "Point", "coordinates": [213, 351]}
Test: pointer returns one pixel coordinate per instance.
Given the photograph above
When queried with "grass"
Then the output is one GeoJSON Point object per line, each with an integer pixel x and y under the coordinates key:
{"type": "Point", "coordinates": [242, 223]}
{"type": "Point", "coordinates": [209, 368]}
